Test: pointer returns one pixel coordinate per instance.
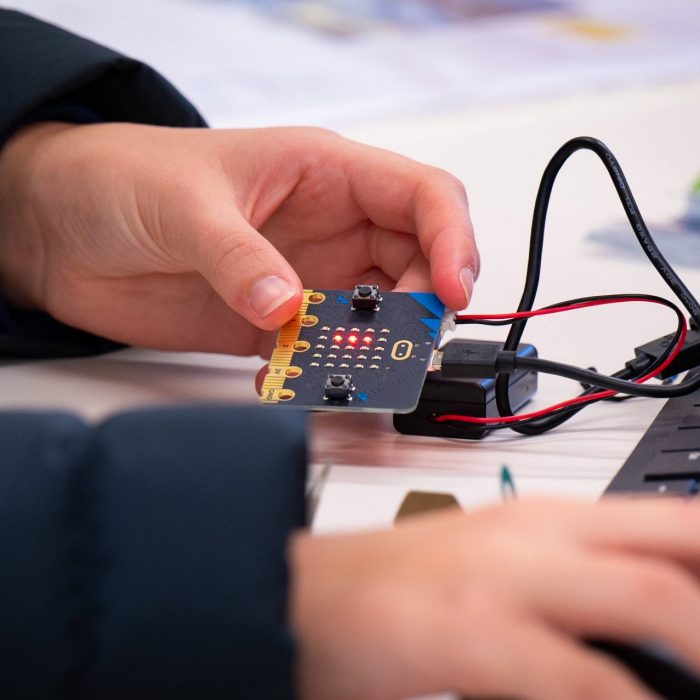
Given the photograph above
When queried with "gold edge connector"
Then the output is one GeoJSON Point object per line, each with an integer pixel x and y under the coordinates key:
{"type": "Point", "coordinates": [283, 353]}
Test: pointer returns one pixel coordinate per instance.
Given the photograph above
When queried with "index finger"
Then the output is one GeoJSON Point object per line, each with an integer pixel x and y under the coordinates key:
{"type": "Point", "coordinates": [660, 526]}
{"type": "Point", "coordinates": [401, 194]}
{"type": "Point", "coordinates": [656, 526]}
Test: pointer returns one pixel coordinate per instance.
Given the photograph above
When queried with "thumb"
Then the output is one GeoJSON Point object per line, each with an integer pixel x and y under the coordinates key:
{"type": "Point", "coordinates": [251, 275]}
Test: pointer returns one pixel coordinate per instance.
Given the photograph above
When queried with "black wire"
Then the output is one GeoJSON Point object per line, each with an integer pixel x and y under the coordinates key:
{"type": "Point", "coordinates": [603, 382]}
{"type": "Point", "coordinates": [535, 257]}
{"type": "Point", "coordinates": [559, 416]}
{"type": "Point", "coordinates": [617, 398]}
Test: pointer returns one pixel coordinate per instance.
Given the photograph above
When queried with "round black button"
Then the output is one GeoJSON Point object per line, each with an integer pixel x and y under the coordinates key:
{"type": "Point", "coordinates": [337, 380]}
{"type": "Point", "coordinates": [364, 291]}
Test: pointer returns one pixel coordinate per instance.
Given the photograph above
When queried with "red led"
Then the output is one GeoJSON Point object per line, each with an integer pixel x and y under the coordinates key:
{"type": "Point", "coordinates": [367, 339]}
{"type": "Point", "coordinates": [352, 339]}
{"type": "Point", "coordinates": [337, 338]}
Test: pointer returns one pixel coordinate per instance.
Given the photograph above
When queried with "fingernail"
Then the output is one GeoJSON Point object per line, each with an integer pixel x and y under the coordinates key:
{"type": "Point", "coordinates": [466, 277]}
{"type": "Point", "coordinates": [268, 294]}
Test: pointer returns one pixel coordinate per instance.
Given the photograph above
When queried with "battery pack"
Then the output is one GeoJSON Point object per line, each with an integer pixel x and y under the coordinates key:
{"type": "Point", "coordinates": [467, 397]}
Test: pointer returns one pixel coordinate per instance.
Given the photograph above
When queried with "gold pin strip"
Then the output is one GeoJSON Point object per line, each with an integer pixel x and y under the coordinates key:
{"type": "Point", "coordinates": [283, 353]}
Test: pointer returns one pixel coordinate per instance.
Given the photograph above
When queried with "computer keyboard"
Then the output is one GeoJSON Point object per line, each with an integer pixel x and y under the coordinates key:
{"type": "Point", "coordinates": [665, 461]}
{"type": "Point", "coordinates": [667, 458]}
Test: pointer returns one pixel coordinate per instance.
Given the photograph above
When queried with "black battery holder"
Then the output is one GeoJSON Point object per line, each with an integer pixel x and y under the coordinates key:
{"type": "Point", "coordinates": [467, 397]}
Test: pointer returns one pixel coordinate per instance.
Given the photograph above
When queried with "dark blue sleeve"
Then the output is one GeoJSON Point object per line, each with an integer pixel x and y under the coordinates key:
{"type": "Point", "coordinates": [41, 64]}
{"type": "Point", "coordinates": [47, 73]}
{"type": "Point", "coordinates": [145, 557]}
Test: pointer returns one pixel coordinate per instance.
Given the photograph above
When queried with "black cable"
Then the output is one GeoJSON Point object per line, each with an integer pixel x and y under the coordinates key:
{"type": "Point", "coordinates": [535, 257]}
{"type": "Point", "coordinates": [559, 416]}
{"type": "Point", "coordinates": [604, 382]}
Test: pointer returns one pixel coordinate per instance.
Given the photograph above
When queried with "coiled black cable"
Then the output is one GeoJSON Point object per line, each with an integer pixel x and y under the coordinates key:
{"type": "Point", "coordinates": [534, 263]}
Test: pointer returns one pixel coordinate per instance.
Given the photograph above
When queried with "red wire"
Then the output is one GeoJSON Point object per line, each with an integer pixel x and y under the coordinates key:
{"type": "Point", "coordinates": [569, 402]}
{"type": "Point", "coordinates": [554, 310]}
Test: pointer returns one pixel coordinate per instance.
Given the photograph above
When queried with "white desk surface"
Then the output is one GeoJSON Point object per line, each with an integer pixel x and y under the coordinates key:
{"type": "Point", "coordinates": [499, 152]}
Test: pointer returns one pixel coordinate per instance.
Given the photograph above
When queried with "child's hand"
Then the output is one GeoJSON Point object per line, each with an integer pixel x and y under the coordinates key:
{"type": "Point", "coordinates": [495, 603]}
{"type": "Point", "coordinates": [198, 239]}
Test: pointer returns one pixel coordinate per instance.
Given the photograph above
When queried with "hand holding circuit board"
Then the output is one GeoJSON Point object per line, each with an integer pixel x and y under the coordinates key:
{"type": "Point", "coordinates": [359, 350]}
{"type": "Point", "coordinates": [227, 229]}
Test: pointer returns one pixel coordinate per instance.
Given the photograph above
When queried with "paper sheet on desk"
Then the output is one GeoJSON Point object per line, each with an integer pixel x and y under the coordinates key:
{"type": "Point", "coordinates": [242, 66]}
{"type": "Point", "coordinates": [679, 243]}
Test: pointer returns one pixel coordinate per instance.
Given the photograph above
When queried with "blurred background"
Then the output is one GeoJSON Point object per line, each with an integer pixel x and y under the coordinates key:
{"type": "Point", "coordinates": [334, 62]}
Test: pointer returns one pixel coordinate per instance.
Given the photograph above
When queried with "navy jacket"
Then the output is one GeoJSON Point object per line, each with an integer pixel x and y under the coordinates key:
{"type": "Point", "coordinates": [144, 557]}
